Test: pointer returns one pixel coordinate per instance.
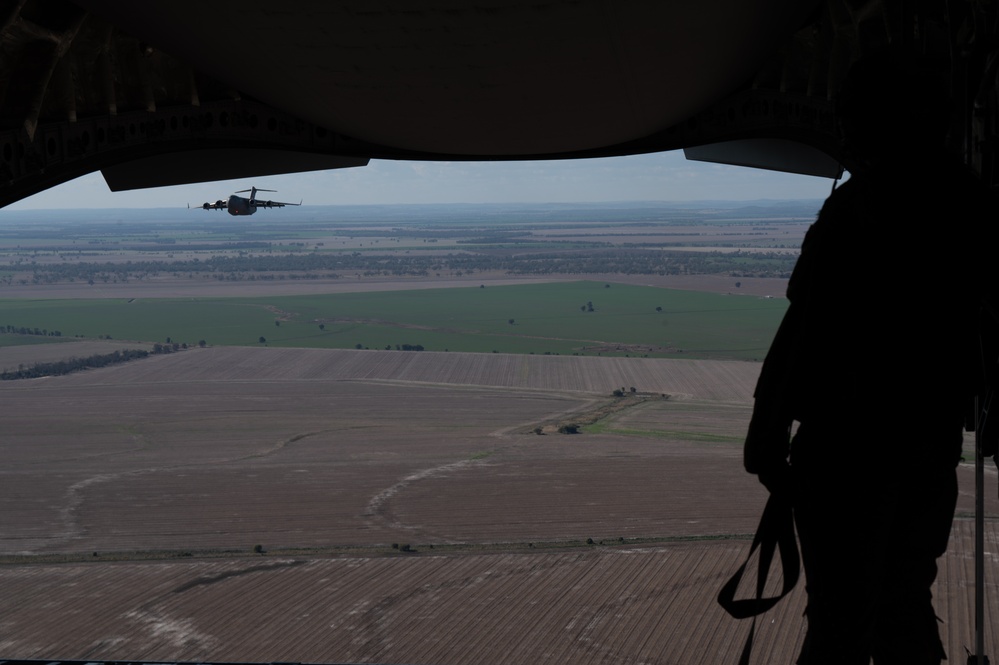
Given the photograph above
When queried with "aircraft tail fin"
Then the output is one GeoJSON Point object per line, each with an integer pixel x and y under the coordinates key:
{"type": "Point", "coordinates": [253, 192]}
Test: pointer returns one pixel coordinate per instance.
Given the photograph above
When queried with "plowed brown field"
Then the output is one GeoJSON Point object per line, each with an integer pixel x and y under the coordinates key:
{"type": "Point", "coordinates": [327, 458]}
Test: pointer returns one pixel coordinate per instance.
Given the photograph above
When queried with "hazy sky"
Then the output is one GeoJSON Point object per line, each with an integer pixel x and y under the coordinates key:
{"type": "Point", "coordinates": [658, 177]}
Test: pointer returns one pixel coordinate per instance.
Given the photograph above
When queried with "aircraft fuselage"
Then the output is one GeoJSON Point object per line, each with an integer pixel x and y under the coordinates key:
{"type": "Point", "coordinates": [241, 206]}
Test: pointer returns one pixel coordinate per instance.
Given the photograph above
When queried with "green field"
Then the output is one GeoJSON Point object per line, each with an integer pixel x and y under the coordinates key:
{"type": "Point", "coordinates": [547, 318]}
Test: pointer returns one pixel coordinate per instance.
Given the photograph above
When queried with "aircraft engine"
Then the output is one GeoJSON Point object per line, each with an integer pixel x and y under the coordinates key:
{"type": "Point", "coordinates": [267, 205]}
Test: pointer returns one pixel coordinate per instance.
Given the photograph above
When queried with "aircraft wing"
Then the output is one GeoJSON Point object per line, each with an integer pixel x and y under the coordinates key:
{"type": "Point", "coordinates": [274, 204]}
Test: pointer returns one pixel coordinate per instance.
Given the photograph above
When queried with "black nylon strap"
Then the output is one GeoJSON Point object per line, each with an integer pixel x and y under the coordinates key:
{"type": "Point", "coordinates": [775, 533]}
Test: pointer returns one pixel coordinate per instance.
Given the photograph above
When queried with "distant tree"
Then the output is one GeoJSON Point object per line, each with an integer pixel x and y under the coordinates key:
{"type": "Point", "coordinates": [633, 389]}
{"type": "Point", "coordinates": [582, 308]}
{"type": "Point", "coordinates": [262, 340]}
{"type": "Point", "coordinates": [606, 286]}
{"type": "Point", "coordinates": [277, 323]}
{"type": "Point", "coordinates": [659, 309]}
{"type": "Point", "coordinates": [589, 306]}
{"type": "Point", "coordinates": [202, 343]}
{"type": "Point", "coordinates": [168, 340]}
{"type": "Point", "coordinates": [322, 326]}
{"type": "Point", "coordinates": [358, 346]}
{"type": "Point", "coordinates": [738, 284]}
{"type": "Point", "coordinates": [510, 321]}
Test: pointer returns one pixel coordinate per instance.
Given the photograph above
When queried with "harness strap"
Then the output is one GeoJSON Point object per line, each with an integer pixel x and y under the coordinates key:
{"type": "Point", "coordinates": [775, 533]}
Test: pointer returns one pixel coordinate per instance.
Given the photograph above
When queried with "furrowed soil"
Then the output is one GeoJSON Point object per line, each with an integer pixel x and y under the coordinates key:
{"type": "Point", "coordinates": [404, 509]}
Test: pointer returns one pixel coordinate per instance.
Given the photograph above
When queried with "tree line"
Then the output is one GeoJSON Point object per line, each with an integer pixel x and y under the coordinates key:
{"type": "Point", "coordinates": [24, 330]}
{"type": "Point", "coordinates": [69, 365]}
{"type": "Point", "coordinates": [632, 261]}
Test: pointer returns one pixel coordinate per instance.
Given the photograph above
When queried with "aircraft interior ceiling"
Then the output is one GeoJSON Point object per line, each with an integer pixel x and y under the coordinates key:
{"type": "Point", "coordinates": [167, 92]}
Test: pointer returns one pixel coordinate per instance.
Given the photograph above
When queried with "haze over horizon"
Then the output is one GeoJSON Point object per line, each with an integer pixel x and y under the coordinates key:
{"type": "Point", "coordinates": [667, 177]}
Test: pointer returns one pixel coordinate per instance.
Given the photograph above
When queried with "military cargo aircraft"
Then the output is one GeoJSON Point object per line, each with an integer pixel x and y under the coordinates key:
{"type": "Point", "coordinates": [240, 205]}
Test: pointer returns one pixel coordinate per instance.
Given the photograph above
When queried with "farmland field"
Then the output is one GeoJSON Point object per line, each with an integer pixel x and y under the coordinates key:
{"type": "Point", "coordinates": [585, 317]}
{"type": "Point", "coordinates": [294, 491]}
{"type": "Point", "coordinates": [642, 279]}
{"type": "Point", "coordinates": [404, 507]}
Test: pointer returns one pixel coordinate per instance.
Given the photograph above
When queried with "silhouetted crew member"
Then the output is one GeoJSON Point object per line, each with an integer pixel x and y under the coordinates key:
{"type": "Point", "coordinates": [876, 360]}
